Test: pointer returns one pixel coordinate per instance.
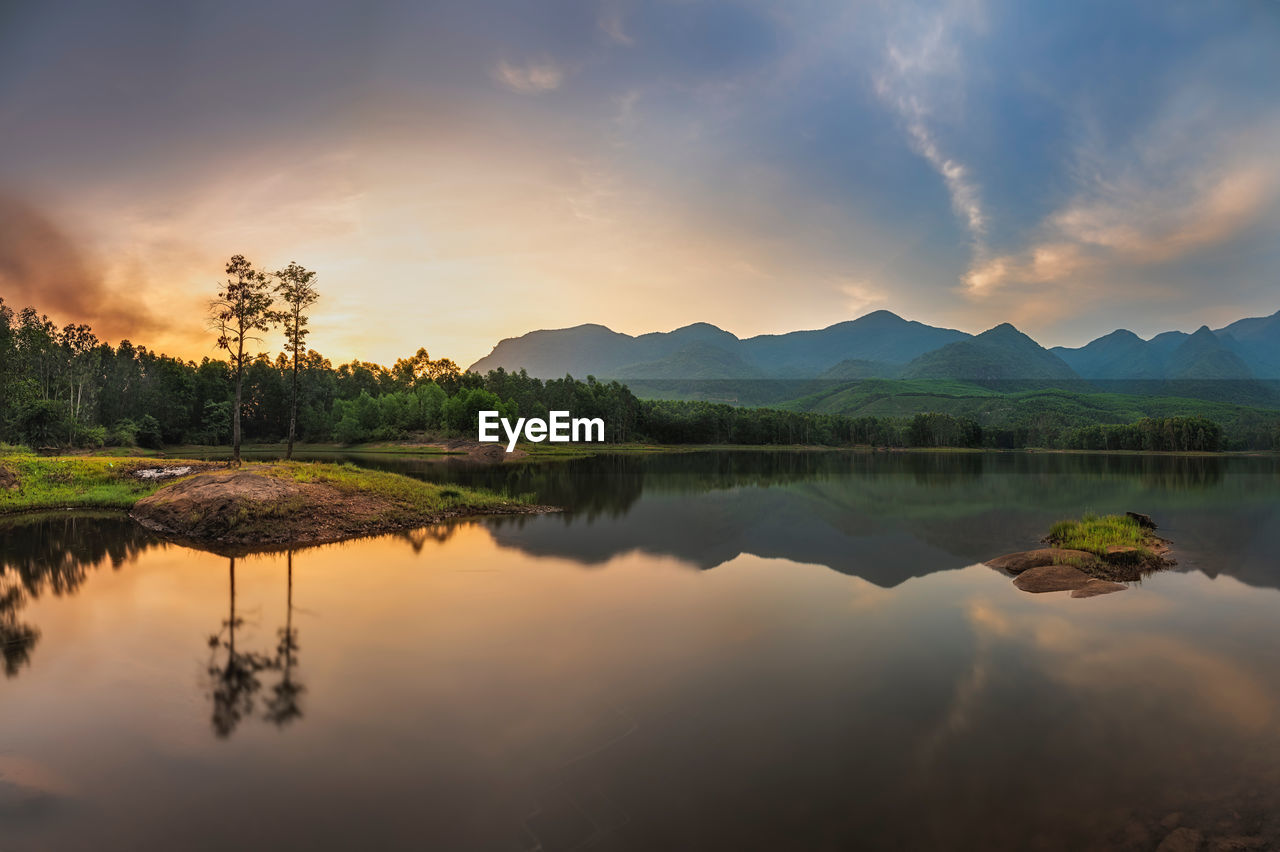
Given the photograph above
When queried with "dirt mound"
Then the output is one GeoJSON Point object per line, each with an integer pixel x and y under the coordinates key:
{"type": "Point", "coordinates": [249, 508]}
{"type": "Point", "coordinates": [236, 511]}
{"type": "Point", "coordinates": [8, 479]}
{"type": "Point", "coordinates": [483, 452]}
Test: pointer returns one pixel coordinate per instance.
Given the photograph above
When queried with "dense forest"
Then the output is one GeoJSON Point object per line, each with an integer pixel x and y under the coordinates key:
{"type": "Point", "coordinates": [62, 387]}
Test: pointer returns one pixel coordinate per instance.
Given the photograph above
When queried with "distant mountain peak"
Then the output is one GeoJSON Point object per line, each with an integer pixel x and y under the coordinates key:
{"type": "Point", "coordinates": [880, 316]}
{"type": "Point", "coordinates": [1001, 353]}
{"type": "Point", "coordinates": [1004, 329]}
{"type": "Point", "coordinates": [882, 343]}
{"type": "Point", "coordinates": [880, 338]}
{"type": "Point", "coordinates": [1119, 334]}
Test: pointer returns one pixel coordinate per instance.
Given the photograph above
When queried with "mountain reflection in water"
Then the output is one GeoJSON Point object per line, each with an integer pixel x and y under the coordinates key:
{"type": "Point", "coordinates": [471, 686]}
{"type": "Point", "coordinates": [884, 517]}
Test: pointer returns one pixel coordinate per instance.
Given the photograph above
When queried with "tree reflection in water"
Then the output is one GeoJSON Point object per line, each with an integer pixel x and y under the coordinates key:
{"type": "Point", "coordinates": [16, 639]}
{"type": "Point", "coordinates": [234, 671]}
{"type": "Point", "coordinates": [52, 553]}
{"type": "Point", "coordinates": [283, 706]}
{"type": "Point", "coordinates": [236, 674]}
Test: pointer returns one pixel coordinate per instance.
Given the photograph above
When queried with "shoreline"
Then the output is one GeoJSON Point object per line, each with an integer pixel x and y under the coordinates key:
{"type": "Point", "coordinates": [463, 449]}
{"type": "Point", "coordinates": [258, 506]}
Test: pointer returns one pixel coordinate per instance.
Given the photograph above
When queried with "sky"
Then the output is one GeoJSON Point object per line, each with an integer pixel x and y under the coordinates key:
{"type": "Point", "coordinates": [462, 172]}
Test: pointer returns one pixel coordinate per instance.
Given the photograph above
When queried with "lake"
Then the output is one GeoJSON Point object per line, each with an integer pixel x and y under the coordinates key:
{"type": "Point", "coordinates": [712, 650]}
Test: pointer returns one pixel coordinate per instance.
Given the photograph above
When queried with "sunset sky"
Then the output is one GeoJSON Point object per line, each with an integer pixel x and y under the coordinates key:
{"type": "Point", "coordinates": [461, 172]}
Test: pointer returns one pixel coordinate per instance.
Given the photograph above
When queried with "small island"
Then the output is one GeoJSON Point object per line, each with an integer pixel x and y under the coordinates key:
{"type": "Point", "coordinates": [257, 506]}
{"type": "Point", "coordinates": [1095, 555]}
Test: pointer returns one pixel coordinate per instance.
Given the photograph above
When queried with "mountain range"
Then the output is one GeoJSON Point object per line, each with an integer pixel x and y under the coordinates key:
{"type": "Point", "coordinates": [884, 345]}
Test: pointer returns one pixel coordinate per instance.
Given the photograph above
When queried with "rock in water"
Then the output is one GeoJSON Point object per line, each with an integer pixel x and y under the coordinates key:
{"type": "Point", "coordinates": [1016, 563]}
{"type": "Point", "coordinates": [1096, 587]}
{"type": "Point", "coordinates": [1181, 840]}
{"type": "Point", "coordinates": [1144, 521]}
{"type": "Point", "coordinates": [1052, 578]}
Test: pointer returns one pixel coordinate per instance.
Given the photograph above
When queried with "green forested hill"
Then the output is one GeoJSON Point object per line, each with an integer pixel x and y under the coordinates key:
{"type": "Point", "coordinates": [1036, 410]}
{"type": "Point", "coordinates": [1000, 354]}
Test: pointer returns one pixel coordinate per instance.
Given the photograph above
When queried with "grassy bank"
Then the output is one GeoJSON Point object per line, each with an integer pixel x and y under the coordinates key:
{"type": "Point", "coordinates": [221, 450]}
{"type": "Point", "coordinates": [30, 483]}
{"type": "Point", "coordinates": [404, 492]}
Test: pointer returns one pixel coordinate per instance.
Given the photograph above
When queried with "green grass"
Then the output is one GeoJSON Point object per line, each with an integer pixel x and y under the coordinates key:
{"type": "Point", "coordinates": [410, 449]}
{"type": "Point", "coordinates": [29, 482]}
{"type": "Point", "coordinates": [1094, 534]}
{"type": "Point", "coordinates": [405, 492]}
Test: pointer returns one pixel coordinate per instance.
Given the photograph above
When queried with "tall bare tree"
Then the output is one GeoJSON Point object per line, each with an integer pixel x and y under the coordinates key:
{"type": "Point", "coordinates": [295, 284]}
{"type": "Point", "coordinates": [242, 307]}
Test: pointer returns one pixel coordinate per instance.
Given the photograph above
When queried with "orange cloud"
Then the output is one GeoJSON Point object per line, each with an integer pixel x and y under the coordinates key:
{"type": "Point", "coordinates": [1134, 224]}
{"type": "Point", "coordinates": [41, 266]}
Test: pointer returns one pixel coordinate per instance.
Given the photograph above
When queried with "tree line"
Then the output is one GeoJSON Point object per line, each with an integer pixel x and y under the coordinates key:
{"type": "Point", "coordinates": [63, 387]}
{"type": "Point", "coordinates": [1167, 434]}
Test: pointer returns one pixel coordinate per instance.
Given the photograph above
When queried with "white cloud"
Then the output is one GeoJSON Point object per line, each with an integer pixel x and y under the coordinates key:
{"type": "Point", "coordinates": [861, 296]}
{"type": "Point", "coordinates": [611, 24]}
{"type": "Point", "coordinates": [532, 78]}
{"type": "Point", "coordinates": [1167, 200]}
{"type": "Point", "coordinates": [922, 57]}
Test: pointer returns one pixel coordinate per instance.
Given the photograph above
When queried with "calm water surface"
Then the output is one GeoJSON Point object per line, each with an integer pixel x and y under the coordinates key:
{"type": "Point", "coordinates": [707, 651]}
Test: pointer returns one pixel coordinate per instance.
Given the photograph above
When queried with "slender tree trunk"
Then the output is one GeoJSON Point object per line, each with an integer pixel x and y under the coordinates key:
{"type": "Point", "coordinates": [288, 622]}
{"type": "Point", "coordinates": [235, 414]}
{"type": "Point", "coordinates": [293, 406]}
{"type": "Point", "coordinates": [231, 625]}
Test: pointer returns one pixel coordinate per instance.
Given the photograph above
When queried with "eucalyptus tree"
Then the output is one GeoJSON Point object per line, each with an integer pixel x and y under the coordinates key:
{"type": "Point", "coordinates": [83, 356]}
{"type": "Point", "coordinates": [10, 375]}
{"type": "Point", "coordinates": [419, 367]}
{"type": "Point", "coordinates": [295, 284]}
{"type": "Point", "coordinates": [241, 308]}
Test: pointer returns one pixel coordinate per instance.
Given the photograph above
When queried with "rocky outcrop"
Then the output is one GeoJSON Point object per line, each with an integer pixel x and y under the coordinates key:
{"type": "Point", "coordinates": [1017, 563]}
{"type": "Point", "coordinates": [1096, 587]}
{"type": "Point", "coordinates": [1086, 574]}
{"type": "Point", "coordinates": [1144, 521]}
{"type": "Point", "coordinates": [1181, 840]}
{"type": "Point", "coordinates": [1065, 578]}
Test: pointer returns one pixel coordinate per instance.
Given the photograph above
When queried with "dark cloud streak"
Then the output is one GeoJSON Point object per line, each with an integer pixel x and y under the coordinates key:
{"type": "Point", "coordinates": [42, 266]}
